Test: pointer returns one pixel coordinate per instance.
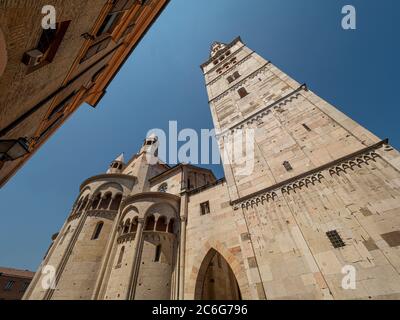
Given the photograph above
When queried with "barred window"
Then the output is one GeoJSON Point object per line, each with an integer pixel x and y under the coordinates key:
{"type": "Point", "coordinates": [335, 239]}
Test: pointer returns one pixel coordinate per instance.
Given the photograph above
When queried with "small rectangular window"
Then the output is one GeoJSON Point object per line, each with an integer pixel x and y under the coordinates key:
{"type": "Point", "coordinates": [242, 92]}
{"type": "Point", "coordinates": [230, 79]}
{"type": "Point", "coordinates": [205, 208]}
{"type": "Point", "coordinates": [306, 127]}
{"type": "Point", "coordinates": [9, 285]}
{"type": "Point", "coordinates": [24, 286]}
{"type": "Point", "coordinates": [335, 239]}
{"type": "Point", "coordinates": [287, 166]}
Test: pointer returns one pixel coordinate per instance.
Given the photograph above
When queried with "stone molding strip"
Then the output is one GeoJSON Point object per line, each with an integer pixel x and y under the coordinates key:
{"type": "Point", "coordinates": [240, 83]}
{"type": "Point", "coordinates": [103, 213]}
{"type": "Point", "coordinates": [207, 186]}
{"type": "Point", "coordinates": [107, 177]}
{"type": "Point", "coordinates": [264, 111]}
{"type": "Point", "coordinates": [247, 57]}
{"type": "Point", "coordinates": [311, 175]}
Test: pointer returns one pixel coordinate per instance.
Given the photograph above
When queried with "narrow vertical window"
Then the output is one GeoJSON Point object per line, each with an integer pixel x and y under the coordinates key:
{"type": "Point", "coordinates": [97, 230]}
{"type": "Point", "coordinates": [205, 208]}
{"type": "Point", "coordinates": [306, 127]}
{"type": "Point", "coordinates": [157, 255]}
{"type": "Point", "coordinates": [121, 256]}
{"type": "Point", "coordinates": [287, 166]}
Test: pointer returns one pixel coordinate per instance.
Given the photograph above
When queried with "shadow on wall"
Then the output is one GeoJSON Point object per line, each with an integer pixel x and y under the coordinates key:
{"type": "Point", "coordinates": [3, 53]}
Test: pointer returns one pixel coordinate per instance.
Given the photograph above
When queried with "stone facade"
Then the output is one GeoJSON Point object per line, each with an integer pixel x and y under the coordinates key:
{"type": "Point", "coordinates": [323, 197]}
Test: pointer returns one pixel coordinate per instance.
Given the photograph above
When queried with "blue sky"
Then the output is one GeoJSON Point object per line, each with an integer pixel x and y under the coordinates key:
{"type": "Point", "coordinates": [357, 71]}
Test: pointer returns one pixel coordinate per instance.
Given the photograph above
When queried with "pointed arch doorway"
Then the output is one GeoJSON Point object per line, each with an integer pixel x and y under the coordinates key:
{"type": "Point", "coordinates": [216, 280]}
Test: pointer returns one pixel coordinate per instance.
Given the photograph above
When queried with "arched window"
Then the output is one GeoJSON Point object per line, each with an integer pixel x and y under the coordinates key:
{"type": "Point", "coordinates": [161, 224]}
{"type": "Point", "coordinates": [171, 226]}
{"type": "Point", "coordinates": [150, 221]}
{"type": "Point", "coordinates": [127, 226]}
{"type": "Point", "coordinates": [134, 224]}
{"type": "Point", "coordinates": [163, 187]}
{"type": "Point", "coordinates": [105, 202]}
{"type": "Point", "coordinates": [97, 230]}
{"type": "Point", "coordinates": [157, 255]}
{"type": "Point", "coordinates": [121, 256]}
{"type": "Point", "coordinates": [116, 202]}
{"type": "Point", "coordinates": [96, 201]}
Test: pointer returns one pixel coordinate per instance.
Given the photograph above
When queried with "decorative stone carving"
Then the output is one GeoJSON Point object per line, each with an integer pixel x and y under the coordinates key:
{"type": "Point", "coordinates": [105, 214]}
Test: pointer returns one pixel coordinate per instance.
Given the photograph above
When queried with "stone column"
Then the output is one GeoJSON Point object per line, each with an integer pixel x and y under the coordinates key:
{"type": "Point", "coordinates": [130, 294]}
{"type": "Point", "coordinates": [106, 260]}
{"type": "Point", "coordinates": [182, 244]}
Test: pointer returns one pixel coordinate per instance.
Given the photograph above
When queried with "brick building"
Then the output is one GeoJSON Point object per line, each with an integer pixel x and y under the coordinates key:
{"type": "Point", "coordinates": [13, 283]}
{"type": "Point", "coordinates": [46, 74]}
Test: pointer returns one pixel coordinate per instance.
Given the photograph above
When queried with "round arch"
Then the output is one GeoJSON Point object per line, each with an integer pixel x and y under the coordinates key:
{"type": "Point", "coordinates": [127, 211]}
{"type": "Point", "coordinates": [162, 209]}
{"type": "Point", "coordinates": [112, 187]}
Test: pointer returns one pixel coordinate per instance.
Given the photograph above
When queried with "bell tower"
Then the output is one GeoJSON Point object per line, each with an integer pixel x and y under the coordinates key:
{"type": "Point", "coordinates": [295, 131]}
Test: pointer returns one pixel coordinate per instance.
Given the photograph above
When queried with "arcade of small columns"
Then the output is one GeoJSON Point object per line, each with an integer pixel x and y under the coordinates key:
{"type": "Point", "coordinates": [106, 201]}
{"type": "Point", "coordinates": [158, 223]}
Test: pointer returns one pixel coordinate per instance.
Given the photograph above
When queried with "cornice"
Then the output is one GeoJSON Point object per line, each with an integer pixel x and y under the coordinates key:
{"type": "Point", "coordinates": [107, 176]}
{"type": "Point", "coordinates": [102, 213]}
{"type": "Point", "coordinates": [310, 177]}
{"type": "Point", "coordinates": [247, 57]}
{"type": "Point", "coordinates": [240, 83]}
{"type": "Point", "coordinates": [146, 195]}
{"type": "Point", "coordinates": [176, 168]}
{"type": "Point", "coordinates": [206, 187]}
{"type": "Point", "coordinates": [264, 111]}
